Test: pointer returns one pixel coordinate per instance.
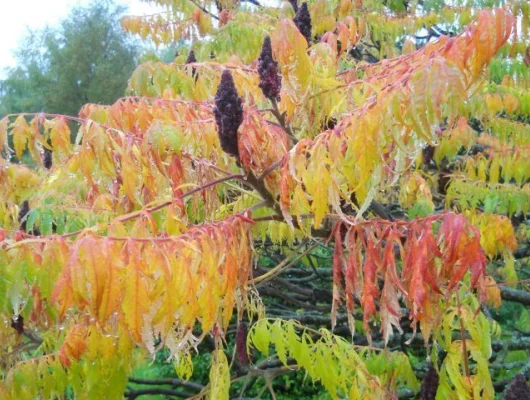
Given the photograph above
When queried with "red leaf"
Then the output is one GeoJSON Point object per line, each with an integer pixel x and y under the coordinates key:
{"type": "Point", "coordinates": [370, 289]}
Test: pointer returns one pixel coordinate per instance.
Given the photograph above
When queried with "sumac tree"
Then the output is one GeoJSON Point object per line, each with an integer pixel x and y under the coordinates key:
{"type": "Point", "coordinates": [350, 201]}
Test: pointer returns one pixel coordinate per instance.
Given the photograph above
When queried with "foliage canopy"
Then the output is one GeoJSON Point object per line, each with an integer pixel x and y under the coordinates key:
{"type": "Point", "coordinates": [347, 197]}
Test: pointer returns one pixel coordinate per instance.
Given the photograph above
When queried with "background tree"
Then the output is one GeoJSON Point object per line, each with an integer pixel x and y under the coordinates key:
{"type": "Point", "coordinates": [344, 203]}
{"type": "Point", "coordinates": [88, 58]}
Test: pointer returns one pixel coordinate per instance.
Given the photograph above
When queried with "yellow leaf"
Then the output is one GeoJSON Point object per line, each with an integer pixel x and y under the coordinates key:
{"type": "Point", "coordinates": [135, 300]}
{"type": "Point", "coordinates": [3, 134]}
{"type": "Point", "coordinates": [130, 177]}
{"type": "Point", "coordinates": [493, 292]}
{"type": "Point", "coordinates": [494, 170]}
{"type": "Point", "coordinates": [481, 171]}
{"type": "Point", "coordinates": [20, 134]}
{"type": "Point", "coordinates": [408, 47]}
{"type": "Point", "coordinates": [219, 377]}
{"type": "Point", "coordinates": [109, 281]}
{"type": "Point", "coordinates": [510, 274]}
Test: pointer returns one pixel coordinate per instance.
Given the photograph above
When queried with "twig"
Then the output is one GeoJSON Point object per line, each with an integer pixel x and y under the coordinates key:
{"type": "Point", "coordinates": [281, 119]}
{"type": "Point", "coordinates": [32, 336]}
{"type": "Point", "coordinates": [139, 213]}
{"type": "Point", "coordinates": [255, 2]}
{"type": "Point", "coordinates": [274, 292]}
{"type": "Point", "coordinates": [205, 10]}
{"type": "Point", "coordinates": [257, 205]}
{"type": "Point", "coordinates": [133, 394]}
{"type": "Point", "coordinates": [282, 266]}
{"type": "Point", "coordinates": [269, 170]}
{"type": "Point", "coordinates": [169, 381]}
{"type": "Point", "coordinates": [519, 296]}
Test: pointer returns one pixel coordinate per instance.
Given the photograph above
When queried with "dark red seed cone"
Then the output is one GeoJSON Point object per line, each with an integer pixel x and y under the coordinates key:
{"type": "Point", "coordinates": [429, 384]}
{"type": "Point", "coordinates": [191, 57]}
{"type": "Point", "coordinates": [47, 159]}
{"type": "Point", "coordinates": [190, 60]}
{"type": "Point", "coordinates": [228, 113]}
{"type": "Point", "coordinates": [518, 389]}
{"type": "Point", "coordinates": [17, 323]}
{"type": "Point", "coordinates": [270, 81]}
{"type": "Point", "coordinates": [428, 154]}
{"type": "Point", "coordinates": [302, 20]}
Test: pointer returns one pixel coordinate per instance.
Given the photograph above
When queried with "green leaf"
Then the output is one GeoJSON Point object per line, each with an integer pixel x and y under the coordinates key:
{"type": "Point", "coordinates": [523, 322]}
{"type": "Point", "coordinates": [33, 216]}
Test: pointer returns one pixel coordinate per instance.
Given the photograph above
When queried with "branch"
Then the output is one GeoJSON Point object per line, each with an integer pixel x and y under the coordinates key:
{"type": "Point", "coordinates": [519, 296]}
{"type": "Point", "coordinates": [522, 252]}
{"type": "Point", "coordinates": [189, 193]}
{"type": "Point", "coordinates": [169, 381]}
{"type": "Point", "coordinates": [377, 208]}
{"type": "Point", "coordinates": [283, 265]}
{"type": "Point", "coordinates": [281, 119]}
{"type": "Point", "coordinates": [255, 2]}
{"type": "Point", "coordinates": [274, 292]}
{"type": "Point", "coordinates": [259, 186]}
{"type": "Point", "coordinates": [205, 10]}
{"type": "Point", "coordinates": [133, 394]}
{"type": "Point", "coordinates": [269, 170]}
{"type": "Point", "coordinates": [34, 338]}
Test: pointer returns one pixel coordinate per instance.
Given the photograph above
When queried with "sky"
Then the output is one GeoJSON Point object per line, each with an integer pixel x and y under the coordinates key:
{"type": "Point", "coordinates": [18, 15]}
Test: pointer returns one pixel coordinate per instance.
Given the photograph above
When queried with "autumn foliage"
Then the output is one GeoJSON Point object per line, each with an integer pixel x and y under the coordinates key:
{"type": "Point", "coordinates": [403, 169]}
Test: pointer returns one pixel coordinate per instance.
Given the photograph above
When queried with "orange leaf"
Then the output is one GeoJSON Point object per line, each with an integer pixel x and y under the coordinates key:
{"type": "Point", "coordinates": [135, 301]}
{"type": "Point", "coordinates": [74, 345]}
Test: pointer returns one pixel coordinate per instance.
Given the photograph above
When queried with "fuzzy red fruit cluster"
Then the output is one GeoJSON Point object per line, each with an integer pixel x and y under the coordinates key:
{"type": "Point", "coordinates": [302, 20]}
{"type": "Point", "coordinates": [270, 81]}
{"type": "Point", "coordinates": [228, 113]}
{"type": "Point", "coordinates": [429, 384]}
{"type": "Point", "coordinates": [518, 389]}
{"type": "Point", "coordinates": [191, 57]}
{"type": "Point", "coordinates": [48, 158]}
{"type": "Point", "coordinates": [190, 60]}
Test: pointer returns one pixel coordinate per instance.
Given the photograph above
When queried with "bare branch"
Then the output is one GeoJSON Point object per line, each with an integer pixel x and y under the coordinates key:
{"type": "Point", "coordinates": [519, 296]}
{"type": "Point", "coordinates": [169, 381]}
